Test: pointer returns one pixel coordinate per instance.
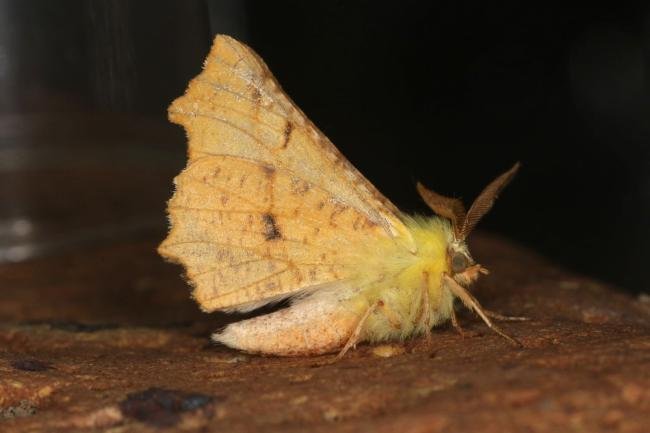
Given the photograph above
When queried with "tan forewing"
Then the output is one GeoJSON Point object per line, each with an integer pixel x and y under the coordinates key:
{"type": "Point", "coordinates": [236, 107]}
{"type": "Point", "coordinates": [247, 232]}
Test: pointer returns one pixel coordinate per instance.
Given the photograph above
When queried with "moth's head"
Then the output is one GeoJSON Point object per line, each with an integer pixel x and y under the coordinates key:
{"type": "Point", "coordinates": [458, 257]}
{"type": "Point", "coordinates": [463, 222]}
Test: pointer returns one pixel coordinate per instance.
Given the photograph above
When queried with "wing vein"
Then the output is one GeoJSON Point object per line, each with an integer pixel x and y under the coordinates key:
{"type": "Point", "coordinates": [224, 121]}
{"type": "Point", "coordinates": [223, 190]}
{"type": "Point", "coordinates": [289, 172]}
{"type": "Point", "coordinates": [300, 217]}
{"type": "Point", "coordinates": [255, 251]}
{"type": "Point", "coordinates": [228, 265]}
{"type": "Point", "coordinates": [251, 83]}
{"type": "Point", "coordinates": [247, 286]}
{"type": "Point", "coordinates": [226, 89]}
{"type": "Point", "coordinates": [225, 266]}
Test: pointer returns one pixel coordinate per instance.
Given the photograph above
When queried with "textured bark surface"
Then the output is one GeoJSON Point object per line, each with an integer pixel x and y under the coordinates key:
{"type": "Point", "coordinates": [109, 339]}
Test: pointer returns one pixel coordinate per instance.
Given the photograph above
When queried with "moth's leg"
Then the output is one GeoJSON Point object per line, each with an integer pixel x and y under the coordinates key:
{"type": "Point", "coordinates": [471, 303]}
{"type": "Point", "coordinates": [456, 324]}
{"type": "Point", "coordinates": [497, 316]}
{"type": "Point", "coordinates": [354, 337]}
{"type": "Point", "coordinates": [471, 274]}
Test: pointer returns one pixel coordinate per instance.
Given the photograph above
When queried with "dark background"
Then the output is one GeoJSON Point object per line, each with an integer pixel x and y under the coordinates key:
{"type": "Point", "coordinates": [448, 93]}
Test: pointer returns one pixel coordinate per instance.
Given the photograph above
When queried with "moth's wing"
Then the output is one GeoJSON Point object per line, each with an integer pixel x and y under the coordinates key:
{"type": "Point", "coordinates": [248, 233]}
{"type": "Point", "coordinates": [267, 206]}
{"type": "Point", "coordinates": [236, 107]}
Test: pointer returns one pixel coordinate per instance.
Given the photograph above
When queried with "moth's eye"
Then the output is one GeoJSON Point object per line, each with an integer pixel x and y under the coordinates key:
{"type": "Point", "coordinates": [459, 262]}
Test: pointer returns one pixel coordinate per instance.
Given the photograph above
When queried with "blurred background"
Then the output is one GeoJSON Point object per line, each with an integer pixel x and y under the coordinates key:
{"type": "Point", "coordinates": [448, 93]}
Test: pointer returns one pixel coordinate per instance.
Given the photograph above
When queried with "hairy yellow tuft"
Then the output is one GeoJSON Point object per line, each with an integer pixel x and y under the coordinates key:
{"type": "Point", "coordinates": [389, 274]}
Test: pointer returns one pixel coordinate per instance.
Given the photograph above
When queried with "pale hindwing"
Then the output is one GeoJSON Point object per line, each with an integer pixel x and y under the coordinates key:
{"type": "Point", "coordinates": [236, 107]}
{"type": "Point", "coordinates": [247, 232]}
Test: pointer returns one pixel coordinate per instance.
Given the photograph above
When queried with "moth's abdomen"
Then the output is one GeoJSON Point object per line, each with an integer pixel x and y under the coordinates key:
{"type": "Point", "coordinates": [312, 326]}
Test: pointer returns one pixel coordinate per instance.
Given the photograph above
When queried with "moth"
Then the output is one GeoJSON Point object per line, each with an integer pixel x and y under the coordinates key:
{"type": "Point", "coordinates": [267, 209]}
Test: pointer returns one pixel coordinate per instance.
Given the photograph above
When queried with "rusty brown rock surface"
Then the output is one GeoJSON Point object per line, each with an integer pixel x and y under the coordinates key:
{"type": "Point", "coordinates": [108, 339]}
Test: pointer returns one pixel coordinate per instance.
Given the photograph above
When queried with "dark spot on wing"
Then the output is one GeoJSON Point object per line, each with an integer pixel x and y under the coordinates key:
{"type": "Point", "coordinates": [288, 128]}
{"type": "Point", "coordinates": [256, 95]}
{"type": "Point", "coordinates": [338, 209]}
{"type": "Point", "coordinates": [299, 186]}
{"type": "Point", "coordinates": [271, 230]}
{"type": "Point", "coordinates": [269, 170]}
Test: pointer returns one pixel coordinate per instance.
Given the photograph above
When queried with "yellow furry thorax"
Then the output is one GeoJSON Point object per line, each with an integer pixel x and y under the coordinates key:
{"type": "Point", "coordinates": [390, 273]}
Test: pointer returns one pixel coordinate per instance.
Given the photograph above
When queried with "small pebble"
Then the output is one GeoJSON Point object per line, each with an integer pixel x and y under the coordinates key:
{"type": "Point", "coordinates": [387, 350]}
{"type": "Point", "coordinates": [331, 414]}
{"type": "Point", "coordinates": [299, 400]}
